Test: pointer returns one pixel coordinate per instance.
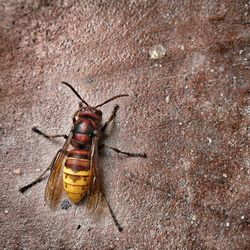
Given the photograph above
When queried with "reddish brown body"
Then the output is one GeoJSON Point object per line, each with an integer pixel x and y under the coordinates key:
{"type": "Point", "coordinates": [76, 175]}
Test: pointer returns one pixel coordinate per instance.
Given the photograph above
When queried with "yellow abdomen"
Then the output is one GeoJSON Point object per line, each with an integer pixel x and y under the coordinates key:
{"type": "Point", "coordinates": [76, 178]}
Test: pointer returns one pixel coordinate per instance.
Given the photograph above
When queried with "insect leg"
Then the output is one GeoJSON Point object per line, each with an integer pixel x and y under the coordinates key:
{"type": "Point", "coordinates": [36, 130]}
{"type": "Point", "coordinates": [40, 177]}
{"type": "Point", "coordinates": [110, 118]}
{"type": "Point", "coordinates": [117, 224]}
{"type": "Point", "coordinates": [143, 155]}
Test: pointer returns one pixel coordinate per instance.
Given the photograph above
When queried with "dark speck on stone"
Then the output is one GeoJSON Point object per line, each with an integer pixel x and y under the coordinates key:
{"type": "Point", "coordinates": [65, 204]}
{"type": "Point", "coordinates": [89, 80]}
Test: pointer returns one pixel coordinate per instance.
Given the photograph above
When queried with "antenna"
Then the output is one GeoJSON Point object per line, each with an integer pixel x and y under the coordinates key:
{"type": "Point", "coordinates": [76, 93]}
{"type": "Point", "coordinates": [111, 99]}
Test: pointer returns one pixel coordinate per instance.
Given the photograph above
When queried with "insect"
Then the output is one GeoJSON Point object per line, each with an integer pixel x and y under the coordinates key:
{"type": "Point", "coordinates": [74, 168]}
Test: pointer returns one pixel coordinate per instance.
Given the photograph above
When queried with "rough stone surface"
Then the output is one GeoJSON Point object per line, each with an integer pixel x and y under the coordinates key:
{"type": "Point", "coordinates": [188, 111]}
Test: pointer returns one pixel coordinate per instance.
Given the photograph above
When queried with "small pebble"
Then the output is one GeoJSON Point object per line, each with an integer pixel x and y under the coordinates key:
{"type": "Point", "coordinates": [17, 171]}
{"type": "Point", "coordinates": [167, 99]}
{"type": "Point", "coordinates": [209, 140]}
{"type": "Point", "coordinates": [182, 47]}
{"type": "Point", "coordinates": [157, 51]}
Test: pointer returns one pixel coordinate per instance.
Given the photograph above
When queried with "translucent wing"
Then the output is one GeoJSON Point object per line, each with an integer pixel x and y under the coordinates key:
{"type": "Point", "coordinates": [95, 194]}
{"type": "Point", "coordinates": [54, 187]}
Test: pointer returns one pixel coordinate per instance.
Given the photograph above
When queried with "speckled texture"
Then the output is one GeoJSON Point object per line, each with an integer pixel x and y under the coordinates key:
{"type": "Point", "coordinates": [188, 111]}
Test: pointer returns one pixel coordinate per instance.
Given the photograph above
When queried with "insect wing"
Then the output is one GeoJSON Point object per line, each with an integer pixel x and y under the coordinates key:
{"type": "Point", "coordinates": [54, 187]}
{"type": "Point", "coordinates": [95, 194]}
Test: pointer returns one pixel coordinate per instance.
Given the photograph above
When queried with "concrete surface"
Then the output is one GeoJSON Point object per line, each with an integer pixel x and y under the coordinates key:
{"type": "Point", "coordinates": [188, 110]}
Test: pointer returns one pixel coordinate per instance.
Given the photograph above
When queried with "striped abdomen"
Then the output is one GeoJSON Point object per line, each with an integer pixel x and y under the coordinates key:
{"type": "Point", "coordinates": [76, 170]}
{"type": "Point", "coordinates": [76, 174]}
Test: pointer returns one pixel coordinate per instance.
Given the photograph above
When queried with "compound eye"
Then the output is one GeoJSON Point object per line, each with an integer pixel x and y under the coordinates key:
{"type": "Point", "coordinates": [98, 112]}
